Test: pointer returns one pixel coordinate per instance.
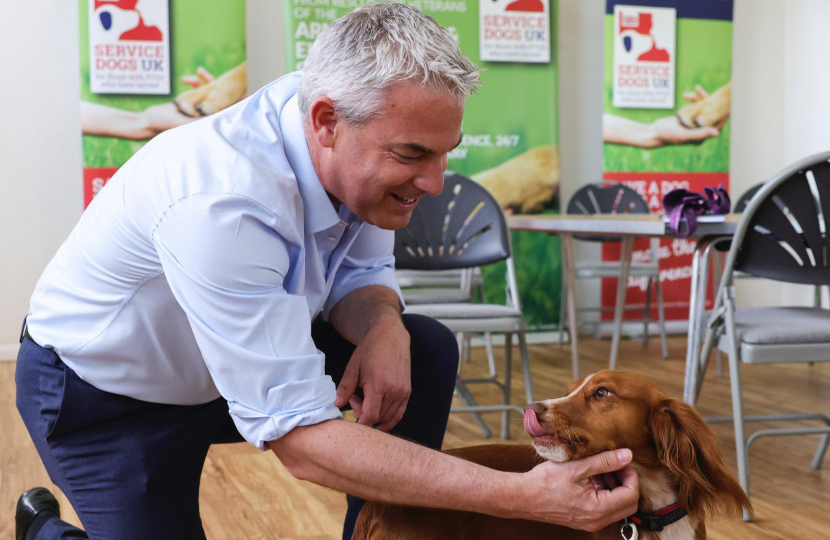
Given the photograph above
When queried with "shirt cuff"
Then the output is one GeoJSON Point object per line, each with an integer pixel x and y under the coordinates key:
{"type": "Point", "coordinates": [353, 279]}
{"type": "Point", "coordinates": [300, 403]}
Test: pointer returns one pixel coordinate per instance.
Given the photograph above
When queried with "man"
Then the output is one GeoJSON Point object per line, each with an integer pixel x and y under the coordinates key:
{"type": "Point", "coordinates": [185, 297]}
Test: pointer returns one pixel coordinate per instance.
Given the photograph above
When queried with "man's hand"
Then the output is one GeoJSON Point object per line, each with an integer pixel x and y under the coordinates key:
{"type": "Point", "coordinates": [564, 493]}
{"type": "Point", "coordinates": [381, 366]}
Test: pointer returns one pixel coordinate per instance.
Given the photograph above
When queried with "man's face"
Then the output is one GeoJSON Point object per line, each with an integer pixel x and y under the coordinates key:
{"type": "Point", "coordinates": [381, 169]}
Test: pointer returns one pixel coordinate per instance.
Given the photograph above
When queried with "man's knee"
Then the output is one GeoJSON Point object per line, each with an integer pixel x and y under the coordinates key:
{"type": "Point", "coordinates": [434, 347]}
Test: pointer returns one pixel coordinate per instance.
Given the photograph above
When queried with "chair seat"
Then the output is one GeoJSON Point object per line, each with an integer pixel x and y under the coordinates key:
{"type": "Point", "coordinates": [612, 269]}
{"type": "Point", "coordinates": [434, 296]}
{"type": "Point", "coordinates": [473, 317]}
{"type": "Point", "coordinates": [434, 278]}
{"type": "Point", "coordinates": [464, 311]}
{"type": "Point", "coordinates": [781, 334]}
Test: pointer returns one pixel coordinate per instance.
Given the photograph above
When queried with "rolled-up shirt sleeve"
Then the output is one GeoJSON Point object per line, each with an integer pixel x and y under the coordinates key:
{"type": "Point", "coordinates": [369, 261]}
{"type": "Point", "coordinates": [226, 259]}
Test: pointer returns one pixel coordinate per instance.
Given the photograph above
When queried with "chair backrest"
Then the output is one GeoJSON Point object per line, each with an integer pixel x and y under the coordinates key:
{"type": "Point", "coordinates": [605, 198]}
{"type": "Point", "coordinates": [463, 227]}
{"type": "Point", "coordinates": [742, 203]}
{"type": "Point", "coordinates": [782, 234]}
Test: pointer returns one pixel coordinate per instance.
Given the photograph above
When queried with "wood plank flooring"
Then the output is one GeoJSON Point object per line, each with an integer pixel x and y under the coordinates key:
{"type": "Point", "coordinates": [247, 494]}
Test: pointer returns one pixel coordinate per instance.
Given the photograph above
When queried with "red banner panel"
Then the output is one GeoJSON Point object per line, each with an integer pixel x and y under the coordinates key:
{"type": "Point", "coordinates": [94, 180]}
{"type": "Point", "coordinates": [675, 254]}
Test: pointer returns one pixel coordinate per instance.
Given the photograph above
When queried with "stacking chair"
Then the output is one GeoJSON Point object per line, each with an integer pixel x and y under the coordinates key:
{"type": "Point", "coordinates": [782, 235]}
{"type": "Point", "coordinates": [614, 198]}
{"type": "Point", "coordinates": [461, 229]}
{"type": "Point", "coordinates": [443, 287]}
{"type": "Point", "coordinates": [721, 246]}
{"type": "Point", "coordinates": [440, 286]}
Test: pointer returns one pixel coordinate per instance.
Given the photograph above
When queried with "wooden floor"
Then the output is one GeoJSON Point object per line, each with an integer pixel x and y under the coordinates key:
{"type": "Point", "coordinates": [248, 494]}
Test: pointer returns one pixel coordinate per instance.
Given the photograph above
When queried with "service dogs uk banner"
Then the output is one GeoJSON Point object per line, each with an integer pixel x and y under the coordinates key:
{"type": "Point", "coordinates": [667, 99]}
{"type": "Point", "coordinates": [511, 133]}
{"type": "Point", "coordinates": [152, 65]}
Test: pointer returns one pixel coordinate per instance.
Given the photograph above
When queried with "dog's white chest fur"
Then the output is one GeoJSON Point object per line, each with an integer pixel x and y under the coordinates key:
{"type": "Point", "coordinates": [656, 492]}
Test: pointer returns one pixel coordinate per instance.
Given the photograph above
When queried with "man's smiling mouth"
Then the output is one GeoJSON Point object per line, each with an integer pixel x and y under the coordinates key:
{"type": "Point", "coordinates": [405, 201]}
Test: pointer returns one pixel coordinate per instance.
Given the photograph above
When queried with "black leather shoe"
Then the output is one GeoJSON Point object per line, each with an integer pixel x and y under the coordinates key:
{"type": "Point", "coordinates": [29, 505]}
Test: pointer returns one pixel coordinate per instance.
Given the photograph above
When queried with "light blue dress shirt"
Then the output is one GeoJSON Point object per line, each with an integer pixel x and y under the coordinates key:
{"type": "Point", "coordinates": [197, 270]}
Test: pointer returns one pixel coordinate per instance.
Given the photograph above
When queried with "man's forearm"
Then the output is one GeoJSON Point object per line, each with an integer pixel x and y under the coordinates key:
{"type": "Point", "coordinates": [365, 308]}
{"type": "Point", "coordinates": [392, 470]}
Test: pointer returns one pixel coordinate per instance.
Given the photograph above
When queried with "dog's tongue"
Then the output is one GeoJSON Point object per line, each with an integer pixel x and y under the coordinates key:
{"type": "Point", "coordinates": [532, 426]}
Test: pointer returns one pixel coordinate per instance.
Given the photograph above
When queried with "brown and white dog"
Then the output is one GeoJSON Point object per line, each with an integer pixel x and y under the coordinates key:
{"type": "Point", "coordinates": [675, 454]}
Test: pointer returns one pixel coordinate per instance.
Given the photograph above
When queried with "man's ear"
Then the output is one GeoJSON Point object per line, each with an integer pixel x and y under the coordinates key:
{"type": "Point", "coordinates": [323, 119]}
{"type": "Point", "coordinates": [688, 448]}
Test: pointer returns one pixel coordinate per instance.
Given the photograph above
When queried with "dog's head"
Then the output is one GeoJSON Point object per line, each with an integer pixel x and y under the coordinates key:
{"type": "Point", "coordinates": [612, 409]}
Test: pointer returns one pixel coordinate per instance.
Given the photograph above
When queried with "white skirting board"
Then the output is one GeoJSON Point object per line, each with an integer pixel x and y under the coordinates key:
{"type": "Point", "coordinates": [630, 329]}
{"type": "Point", "coordinates": [8, 353]}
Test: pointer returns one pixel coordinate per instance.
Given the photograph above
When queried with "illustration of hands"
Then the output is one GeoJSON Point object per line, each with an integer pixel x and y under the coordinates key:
{"type": "Point", "coordinates": [212, 94]}
{"type": "Point", "coordinates": [706, 110]}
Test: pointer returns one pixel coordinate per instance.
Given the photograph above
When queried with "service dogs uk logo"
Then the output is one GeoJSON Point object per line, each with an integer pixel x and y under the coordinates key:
{"type": "Point", "coordinates": [129, 47]}
{"type": "Point", "coordinates": [644, 57]}
{"type": "Point", "coordinates": [514, 30]}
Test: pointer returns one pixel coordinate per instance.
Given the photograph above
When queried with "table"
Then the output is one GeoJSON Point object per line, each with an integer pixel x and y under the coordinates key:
{"type": "Point", "coordinates": [629, 227]}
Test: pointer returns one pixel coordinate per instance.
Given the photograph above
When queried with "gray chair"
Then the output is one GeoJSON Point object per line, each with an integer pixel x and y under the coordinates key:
{"type": "Point", "coordinates": [719, 248]}
{"type": "Point", "coordinates": [445, 287]}
{"type": "Point", "coordinates": [440, 286]}
{"type": "Point", "coordinates": [615, 198]}
{"type": "Point", "coordinates": [782, 235]}
{"type": "Point", "coordinates": [460, 229]}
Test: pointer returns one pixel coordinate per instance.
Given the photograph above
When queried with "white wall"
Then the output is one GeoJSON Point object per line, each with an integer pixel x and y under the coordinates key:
{"type": "Point", "coordinates": [40, 143]}
{"type": "Point", "coordinates": [780, 114]}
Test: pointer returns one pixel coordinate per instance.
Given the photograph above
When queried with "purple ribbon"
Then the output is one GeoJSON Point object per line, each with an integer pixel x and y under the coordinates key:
{"type": "Point", "coordinates": [684, 205]}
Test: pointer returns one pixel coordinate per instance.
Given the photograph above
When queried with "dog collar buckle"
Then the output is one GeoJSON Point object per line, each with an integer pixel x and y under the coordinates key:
{"type": "Point", "coordinates": [629, 531]}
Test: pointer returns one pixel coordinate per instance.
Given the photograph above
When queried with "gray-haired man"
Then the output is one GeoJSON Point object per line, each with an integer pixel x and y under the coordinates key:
{"type": "Point", "coordinates": [189, 293]}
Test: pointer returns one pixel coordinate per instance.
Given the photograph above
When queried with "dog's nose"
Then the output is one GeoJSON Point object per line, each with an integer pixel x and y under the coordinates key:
{"type": "Point", "coordinates": [537, 406]}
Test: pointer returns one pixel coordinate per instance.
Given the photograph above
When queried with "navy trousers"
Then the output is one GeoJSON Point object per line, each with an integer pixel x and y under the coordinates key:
{"type": "Point", "coordinates": [131, 468]}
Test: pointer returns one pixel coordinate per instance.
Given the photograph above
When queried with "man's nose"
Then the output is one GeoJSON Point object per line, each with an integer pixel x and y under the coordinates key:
{"type": "Point", "coordinates": [431, 179]}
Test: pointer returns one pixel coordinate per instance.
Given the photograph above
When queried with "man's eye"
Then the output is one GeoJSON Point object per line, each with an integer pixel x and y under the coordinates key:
{"type": "Point", "coordinates": [601, 393]}
{"type": "Point", "coordinates": [407, 157]}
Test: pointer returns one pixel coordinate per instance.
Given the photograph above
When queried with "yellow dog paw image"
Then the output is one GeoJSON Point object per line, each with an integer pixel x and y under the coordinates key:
{"type": "Point", "coordinates": [525, 184]}
{"type": "Point", "coordinates": [710, 111]}
{"type": "Point", "coordinates": [215, 95]}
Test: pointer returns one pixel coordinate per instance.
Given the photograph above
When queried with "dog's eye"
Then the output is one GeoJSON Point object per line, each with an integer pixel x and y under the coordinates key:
{"type": "Point", "coordinates": [601, 393]}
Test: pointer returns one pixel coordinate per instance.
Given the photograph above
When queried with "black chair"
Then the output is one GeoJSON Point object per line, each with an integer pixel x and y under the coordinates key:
{"type": "Point", "coordinates": [614, 198]}
{"type": "Point", "coordinates": [464, 228]}
{"type": "Point", "coordinates": [782, 235]}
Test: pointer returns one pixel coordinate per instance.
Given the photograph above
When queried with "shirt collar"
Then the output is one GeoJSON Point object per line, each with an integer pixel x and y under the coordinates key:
{"type": "Point", "coordinates": [318, 209]}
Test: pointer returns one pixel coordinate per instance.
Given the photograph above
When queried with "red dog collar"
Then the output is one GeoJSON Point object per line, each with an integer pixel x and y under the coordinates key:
{"type": "Point", "coordinates": [659, 519]}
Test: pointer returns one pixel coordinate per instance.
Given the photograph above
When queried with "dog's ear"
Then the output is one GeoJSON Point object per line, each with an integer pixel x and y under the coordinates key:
{"type": "Point", "coordinates": [687, 447]}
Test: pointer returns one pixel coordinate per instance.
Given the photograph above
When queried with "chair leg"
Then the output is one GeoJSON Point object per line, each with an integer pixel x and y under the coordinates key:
{"type": "Point", "coordinates": [491, 358]}
{"type": "Point", "coordinates": [737, 407]}
{"type": "Point", "coordinates": [818, 459]}
{"type": "Point", "coordinates": [563, 304]}
{"type": "Point", "coordinates": [467, 398]}
{"type": "Point", "coordinates": [463, 347]}
{"type": "Point", "coordinates": [661, 319]}
{"type": "Point", "coordinates": [508, 371]}
{"type": "Point", "coordinates": [626, 247]}
{"type": "Point", "coordinates": [647, 314]}
{"type": "Point", "coordinates": [718, 261]}
{"type": "Point", "coordinates": [526, 367]}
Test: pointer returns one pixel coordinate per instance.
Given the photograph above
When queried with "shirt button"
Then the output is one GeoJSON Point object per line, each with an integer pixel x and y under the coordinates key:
{"type": "Point", "coordinates": [341, 224]}
{"type": "Point", "coordinates": [332, 238]}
